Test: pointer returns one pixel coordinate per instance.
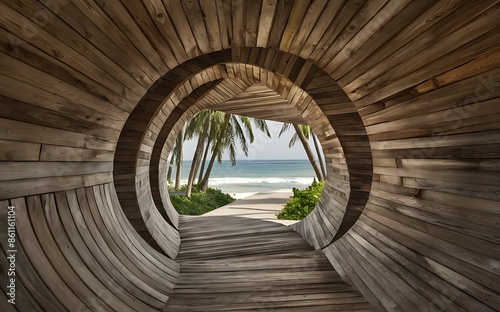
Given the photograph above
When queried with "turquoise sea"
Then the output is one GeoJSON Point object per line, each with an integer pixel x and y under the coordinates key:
{"type": "Point", "coordinates": [255, 176]}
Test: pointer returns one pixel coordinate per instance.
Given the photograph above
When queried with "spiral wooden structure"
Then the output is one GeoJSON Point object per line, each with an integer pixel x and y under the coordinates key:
{"type": "Point", "coordinates": [404, 97]}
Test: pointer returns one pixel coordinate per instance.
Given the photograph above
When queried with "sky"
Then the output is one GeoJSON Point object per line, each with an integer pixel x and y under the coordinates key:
{"type": "Point", "coordinates": [263, 148]}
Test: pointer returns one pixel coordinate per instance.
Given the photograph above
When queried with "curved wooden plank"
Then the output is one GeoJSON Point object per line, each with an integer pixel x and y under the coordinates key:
{"type": "Point", "coordinates": [240, 264]}
{"type": "Point", "coordinates": [23, 300]}
{"type": "Point", "coordinates": [42, 265]}
{"type": "Point", "coordinates": [157, 259]}
{"type": "Point", "coordinates": [424, 79]}
{"type": "Point", "coordinates": [96, 233]}
{"type": "Point", "coordinates": [76, 282]}
{"type": "Point", "coordinates": [132, 273]}
{"type": "Point", "coordinates": [119, 248]}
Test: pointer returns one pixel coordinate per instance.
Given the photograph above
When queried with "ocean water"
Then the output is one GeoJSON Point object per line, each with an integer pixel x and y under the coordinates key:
{"type": "Point", "coordinates": [255, 176]}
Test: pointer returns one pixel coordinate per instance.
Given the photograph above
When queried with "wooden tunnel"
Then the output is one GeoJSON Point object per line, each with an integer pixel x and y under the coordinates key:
{"type": "Point", "coordinates": [404, 97]}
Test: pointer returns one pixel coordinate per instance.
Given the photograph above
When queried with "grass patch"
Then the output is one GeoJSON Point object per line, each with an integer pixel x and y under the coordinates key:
{"type": "Point", "coordinates": [200, 202]}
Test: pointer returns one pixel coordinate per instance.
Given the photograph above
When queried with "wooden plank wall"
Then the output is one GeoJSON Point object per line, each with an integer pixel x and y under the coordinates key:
{"type": "Point", "coordinates": [423, 76]}
{"type": "Point", "coordinates": [428, 238]}
{"type": "Point", "coordinates": [76, 251]}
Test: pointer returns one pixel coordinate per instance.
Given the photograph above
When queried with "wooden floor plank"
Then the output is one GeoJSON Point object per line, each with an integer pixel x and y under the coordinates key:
{"type": "Point", "coordinates": [240, 264]}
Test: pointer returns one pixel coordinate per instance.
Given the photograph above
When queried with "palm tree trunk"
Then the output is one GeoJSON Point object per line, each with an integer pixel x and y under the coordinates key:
{"type": "Point", "coordinates": [320, 158]}
{"type": "Point", "coordinates": [180, 143]}
{"type": "Point", "coordinates": [195, 164]}
{"type": "Point", "coordinates": [204, 160]}
{"type": "Point", "coordinates": [170, 167]}
{"type": "Point", "coordinates": [309, 152]}
{"type": "Point", "coordinates": [204, 182]}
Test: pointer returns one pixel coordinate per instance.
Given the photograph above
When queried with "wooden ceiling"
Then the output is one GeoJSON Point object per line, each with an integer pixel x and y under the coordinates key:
{"type": "Point", "coordinates": [260, 102]}
{"type": "Point", "coordinates": [403, 94]}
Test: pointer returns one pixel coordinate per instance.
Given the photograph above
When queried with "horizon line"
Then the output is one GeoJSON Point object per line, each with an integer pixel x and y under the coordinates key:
{"type": "Point", "coordinates": [188, 159]}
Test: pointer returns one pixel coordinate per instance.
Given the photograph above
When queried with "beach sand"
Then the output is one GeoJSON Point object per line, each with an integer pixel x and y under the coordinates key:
{"type": "Point", "coordinates": [262, 206]}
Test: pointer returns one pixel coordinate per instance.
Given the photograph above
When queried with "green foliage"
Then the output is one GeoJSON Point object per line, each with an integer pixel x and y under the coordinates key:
{"type": "Point", "coordinates": [302, 202]}
{"type": "Point", "coordinates": [200, 202]}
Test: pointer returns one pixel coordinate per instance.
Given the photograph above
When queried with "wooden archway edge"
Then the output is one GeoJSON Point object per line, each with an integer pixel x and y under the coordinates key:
{"type": "Point", "coordinates": [347, 195]}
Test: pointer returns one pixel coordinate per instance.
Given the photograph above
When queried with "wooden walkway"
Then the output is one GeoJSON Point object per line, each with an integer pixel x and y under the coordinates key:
{"type": "Point", "coordinates": [241, 264]}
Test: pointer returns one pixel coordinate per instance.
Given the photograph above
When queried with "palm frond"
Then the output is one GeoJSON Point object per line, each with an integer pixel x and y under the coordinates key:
{"type": "Point", "coordinates": [240, 135]}
{"type": "Point", "coordinates": [293, 139]}
{"type": "Point", "coordinates": [262, 126]}
{"type": "Point", "coordinates": [232, 154]}
{"type": "Point", "coordinates": [196, 125]}
{"type": "Point", "coordinates": [248, 127]}
{"type": "Point", "coordinates": [306, 130]}
{"type": "Point", "coordinates": [284, 128]}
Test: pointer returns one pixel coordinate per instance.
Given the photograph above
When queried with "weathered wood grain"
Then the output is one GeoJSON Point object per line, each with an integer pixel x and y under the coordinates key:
{"type": "Point", "coordinates": [252, 264]}
{"type": "Point", "coordinates": [87, 83]}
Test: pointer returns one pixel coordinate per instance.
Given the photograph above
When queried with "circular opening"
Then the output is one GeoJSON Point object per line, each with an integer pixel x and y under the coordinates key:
{"type": "Point", "coordinates": [249, 156]}
{"type": "Point", "coordinates": [307, 94]}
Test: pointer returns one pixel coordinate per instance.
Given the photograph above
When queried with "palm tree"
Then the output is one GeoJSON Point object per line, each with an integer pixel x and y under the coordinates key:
{"type": "Point", "coordinates": [214, 133]}
{"type": "Point", "coordinates": [216, 150]}
{"type": "Point", "coordinates": [228, 131]}
{"type": "Point", "coordinates": [302, 133]}
{"type": "Point", "coordinates": [199, 125]}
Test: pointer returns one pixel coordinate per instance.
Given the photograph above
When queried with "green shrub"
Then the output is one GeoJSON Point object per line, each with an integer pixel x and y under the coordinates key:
{"type": "Point", "coordinates": [302, 202]}
{"type": "Point", "coordinates": [200, 202]}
